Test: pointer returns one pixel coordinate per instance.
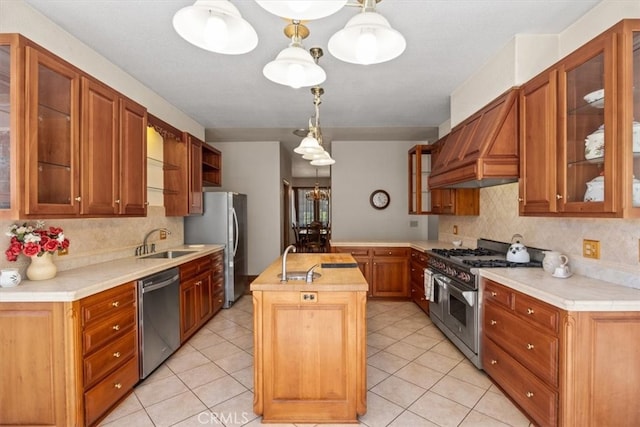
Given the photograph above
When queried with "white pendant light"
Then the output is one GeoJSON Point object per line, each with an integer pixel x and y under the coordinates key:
{"type": "Point", "coordinates": [302, 9]}
{"type": "Point", "coordinates": [325, 160]}
{"type": "Point", "coordinates": [367, 38]}
{"type": "Point", "coordinates": [294, 66]}
{"type": "Point", "coordinates": [309, 145]}
{"type": "Point", "coordinates": [216, 26]}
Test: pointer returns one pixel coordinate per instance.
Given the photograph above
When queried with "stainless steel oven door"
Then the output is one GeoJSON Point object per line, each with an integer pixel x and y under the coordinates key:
{"type": "Point", "coordinates": [460, 314]}
{"type": "Point", "coordinates": [436, 303]}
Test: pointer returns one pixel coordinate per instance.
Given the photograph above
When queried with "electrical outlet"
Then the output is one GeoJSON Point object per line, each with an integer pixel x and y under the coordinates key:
{"type": "Point", "coordinates": [163, 235]}
{"type": "Point", "coordinates": [455, 229]}
{"type": "Point", "coordinates": [64, 251]}
{"type": "Point", "coordinates": [413, 224]}
{"type": "Point", "coordinates": [591, 248]}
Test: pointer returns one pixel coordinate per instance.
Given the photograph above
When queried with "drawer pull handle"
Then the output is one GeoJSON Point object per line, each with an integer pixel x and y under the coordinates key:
{"type": "Point", "coordinates": [530, 311]}
{"type": "Point", "coordinates": [494, 362]}
{"type": "Point", "coordinates": [116, 354]}
{"type": "Point", "coordinates": [529, 394]}
{"type": "Point", "coordinates": [494, 294]}
{"type": "Point", "coordinates": [116, 327]}
{"type": "Point", "coordinates": [115, 304]}
{"type": "Point", "coordinates": [493, 322]}
{"type": "Point", "coordinates": [117, 385]}
{"type": "Point", "coordinates": [529, 346]}
{"type": "Point", "coordinates": [389, 252]}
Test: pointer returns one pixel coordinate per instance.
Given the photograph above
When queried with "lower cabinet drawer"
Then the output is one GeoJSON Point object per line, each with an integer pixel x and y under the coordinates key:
{"type": "Point", "coordinates": [110, 390]}
{"type": "Point", "coordinates": [96, 335]}
{"type": "Point", "coordinates": [536, 350]}
{"type": "Point", "coordinates": [105, 360]}
{"type": "Point", "coordinates": [417, 295]}
{"type": "Point", "coordinates": [538, 400]}
{"type": "Point", "coordinates": [391, 252]}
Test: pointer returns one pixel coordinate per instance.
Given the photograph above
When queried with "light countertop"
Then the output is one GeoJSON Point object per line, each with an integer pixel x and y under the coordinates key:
{"type": "Point", "coordinates": [421, 245]}
{"type": "Point", "coordinates": [71, 285]}
{"type": "Point", "coordinates": [331, 279]}
{"type": "Point", "coordinates": [576, 293]}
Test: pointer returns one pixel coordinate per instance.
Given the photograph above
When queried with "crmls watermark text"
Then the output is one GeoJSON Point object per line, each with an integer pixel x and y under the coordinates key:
{"type": "Point", "coordinates": [223, 418]}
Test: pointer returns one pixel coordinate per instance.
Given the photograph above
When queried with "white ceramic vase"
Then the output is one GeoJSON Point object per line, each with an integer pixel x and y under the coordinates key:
{"type": "Point", "coordinates": [42, 267]}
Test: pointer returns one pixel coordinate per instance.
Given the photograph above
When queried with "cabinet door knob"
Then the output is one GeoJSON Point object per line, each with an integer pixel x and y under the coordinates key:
{"type": "Point", "coordinates": [529, 394]}
{"type": "Point", "coordinates": [520, 199]}
{"type": "Point", "coordinates": [117, 201]}
{"type": "Point", "coordinates": [115, 304]}
{"type": "Point", "coordinates": [530, 311]}
{"type": "Point", "coordinates": [493, 322]}
{"type": "Point", "coordinates": [117, 385]}
{"type": "Point", "coordinates": [77, 199]}
{"type": "Point", "coordinates": [494, 362]}
{"type": "Point", "coordinates": [116, 327]}
{"type": "Point", "coordinates": [529, 346]}
{"type": "Point", "coordinates": [494, 294]}
{"type": "Point", "coordinates": [116, 354]}
{"type": "Point", "coordinates": [558, 196]}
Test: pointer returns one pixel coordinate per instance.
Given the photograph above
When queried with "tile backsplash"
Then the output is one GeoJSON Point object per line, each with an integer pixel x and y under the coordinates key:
{"type": "Point", "coordinates": [499, 220]}
{"type": "Point", "coordinates": [95, 240]}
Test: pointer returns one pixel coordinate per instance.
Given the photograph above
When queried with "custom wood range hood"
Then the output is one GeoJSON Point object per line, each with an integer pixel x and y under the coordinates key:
{"type": "Point", "coordinates": [482, 151]}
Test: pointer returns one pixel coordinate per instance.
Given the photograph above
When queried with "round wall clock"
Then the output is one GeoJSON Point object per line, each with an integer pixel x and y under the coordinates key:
{"type": "Point", "coordinates": [379, 199]}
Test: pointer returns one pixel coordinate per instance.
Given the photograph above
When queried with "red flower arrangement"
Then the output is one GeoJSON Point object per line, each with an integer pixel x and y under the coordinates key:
{"type": "Point", "coordinates": [34, 240]}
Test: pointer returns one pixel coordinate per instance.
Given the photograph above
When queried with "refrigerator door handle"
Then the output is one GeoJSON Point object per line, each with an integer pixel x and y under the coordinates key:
{"type": "Point", "coordinates": [235, 231]}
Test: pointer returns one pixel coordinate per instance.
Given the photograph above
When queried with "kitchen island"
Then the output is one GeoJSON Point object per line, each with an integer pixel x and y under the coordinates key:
{"type": "Point", "coordinates": [310, 342]}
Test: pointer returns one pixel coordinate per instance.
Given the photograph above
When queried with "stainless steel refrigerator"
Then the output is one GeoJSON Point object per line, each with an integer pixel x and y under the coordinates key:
{"type": "Point", "coordinates": [224, 221]}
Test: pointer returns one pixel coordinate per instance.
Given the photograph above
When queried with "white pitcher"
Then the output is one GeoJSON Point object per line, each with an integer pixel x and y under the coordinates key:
{"type": "Point", "coordinates": [553, 260]}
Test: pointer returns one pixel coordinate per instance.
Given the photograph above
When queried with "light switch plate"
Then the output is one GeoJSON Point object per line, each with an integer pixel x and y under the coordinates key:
{"type": "Point", "coordinates": [455, 229]}
{"type": "Point", "coordinates": [591, 248]}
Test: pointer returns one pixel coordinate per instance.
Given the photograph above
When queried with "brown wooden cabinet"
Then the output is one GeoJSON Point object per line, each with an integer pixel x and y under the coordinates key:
{"type": "Point", "coordinates": [417, 264]}
{"type": "Point", "coordinates": [436, 201]}
{"type": "Point", "coordinates": [109, 348]}
{"type": "Point", "coordinates": [310, 356]}
{"type": "Point", "coordinates": [562, 368]}
{"type": "Point", "coordinates": [201, 293]}
{"type": "Point", "coordinates": [79, 148]}
{"type": "Point", "coordinates": [189, 164]}
{"type": "Point", "coordinates": [386, 269]}
{"type": "Point", "coordinates": [578, 156]}
{"type": "Point", "coordinates": [69, 362]}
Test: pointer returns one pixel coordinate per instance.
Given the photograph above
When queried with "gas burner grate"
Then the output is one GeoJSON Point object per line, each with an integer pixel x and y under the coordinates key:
{"type": "Point", "coordinates": [460, 252]}
{"type": "Point", "coordinates": [499, 263]}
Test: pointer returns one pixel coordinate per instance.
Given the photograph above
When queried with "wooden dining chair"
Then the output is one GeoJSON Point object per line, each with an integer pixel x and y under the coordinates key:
{"type": "Point", "coordinates": [314, 241]}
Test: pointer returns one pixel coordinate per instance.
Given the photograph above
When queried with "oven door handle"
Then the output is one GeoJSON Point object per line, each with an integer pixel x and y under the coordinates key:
{"type": "Point", "coordinates": [469, 296]}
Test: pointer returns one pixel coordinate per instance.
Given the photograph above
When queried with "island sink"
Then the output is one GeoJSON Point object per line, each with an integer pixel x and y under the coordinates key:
{"type": "Point", "coordinates": [299, 275]}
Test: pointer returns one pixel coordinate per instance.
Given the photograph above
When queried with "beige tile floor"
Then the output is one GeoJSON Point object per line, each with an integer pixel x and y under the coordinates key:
{"type": "Point", "coordinates": [415, 378]}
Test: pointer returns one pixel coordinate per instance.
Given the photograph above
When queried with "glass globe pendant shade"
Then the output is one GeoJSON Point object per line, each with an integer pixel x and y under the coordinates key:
{"type": "Point", "coordinates": [309, 145]}
{"type": "Point", "coordinates": [367, 39]}
{"type": "Point", "coordinates": [216, 26]}
{"type": "Point", "coordinates": [302, 9]}
{"type": "Point", "coordinates": [315, 156]}
{"type": "Point", "coordinates": [325, 160]}
{"type": "Point", "coordinates": [294, 67]}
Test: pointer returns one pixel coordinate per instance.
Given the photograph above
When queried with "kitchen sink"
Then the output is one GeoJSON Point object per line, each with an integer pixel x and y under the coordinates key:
{"type": "Point", "coordinates": [168, 254]}
{"type": "Point", "coordinates": [299, 275]}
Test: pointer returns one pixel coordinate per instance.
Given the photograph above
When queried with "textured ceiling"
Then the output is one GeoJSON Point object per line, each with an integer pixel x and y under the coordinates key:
{"type": "Point", "coordinates": [404, 99]}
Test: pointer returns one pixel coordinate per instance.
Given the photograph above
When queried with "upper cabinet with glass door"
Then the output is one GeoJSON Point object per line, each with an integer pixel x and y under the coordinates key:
{"type": "Point", "coordinates": [6, 165]}
{"type": "Point", "coordinates": [578, 156]}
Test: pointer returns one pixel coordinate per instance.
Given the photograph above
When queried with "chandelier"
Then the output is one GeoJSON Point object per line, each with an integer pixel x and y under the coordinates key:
{"type": "Point", "coordinates": [317, 193]}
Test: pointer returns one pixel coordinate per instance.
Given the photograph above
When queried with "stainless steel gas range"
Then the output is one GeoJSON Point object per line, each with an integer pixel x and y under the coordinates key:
{"type": "Point", "coordinates": [452, 284]}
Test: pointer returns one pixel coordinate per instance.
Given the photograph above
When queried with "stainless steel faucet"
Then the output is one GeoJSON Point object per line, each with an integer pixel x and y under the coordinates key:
{"type": "Point", "coordinates": [144, 248]}
{"type": "Point", "coordinates": [284, 261]}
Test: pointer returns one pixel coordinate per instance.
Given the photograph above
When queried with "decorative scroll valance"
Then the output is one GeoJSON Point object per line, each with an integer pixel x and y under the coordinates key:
{"type": "Point", "coordinates": [164, 129]}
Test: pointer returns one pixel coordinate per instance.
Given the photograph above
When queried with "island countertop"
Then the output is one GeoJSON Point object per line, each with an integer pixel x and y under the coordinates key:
{"type": "Point", "coordinates": [331, 279]}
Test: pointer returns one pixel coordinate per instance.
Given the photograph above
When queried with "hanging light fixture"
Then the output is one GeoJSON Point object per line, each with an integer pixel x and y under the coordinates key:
{"type": "Point", "coordinates": [302, 9]}
{"type": "Point", "coordinates": [367, 38]}
{"type": "Point", "coordinates": [294, 66]}
{"type": "Point", "coordinates": [216, 26]}
{"type": "Point", "coordinates": [317, 193]}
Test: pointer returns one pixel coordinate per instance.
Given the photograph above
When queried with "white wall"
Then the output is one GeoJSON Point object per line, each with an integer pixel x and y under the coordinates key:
{"type": "Point", "coordinates": [18, 17]}
{"type": "Point", "coordinates": [253, 168]}
{"type": "Point", "coordinates": [527, 55]}
{"type": "Point", "coordinates": [362, 167]}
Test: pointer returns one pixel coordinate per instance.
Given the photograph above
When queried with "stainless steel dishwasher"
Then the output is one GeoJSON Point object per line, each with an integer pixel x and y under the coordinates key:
{"type": "Point", "coordinates": [158, 318]}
